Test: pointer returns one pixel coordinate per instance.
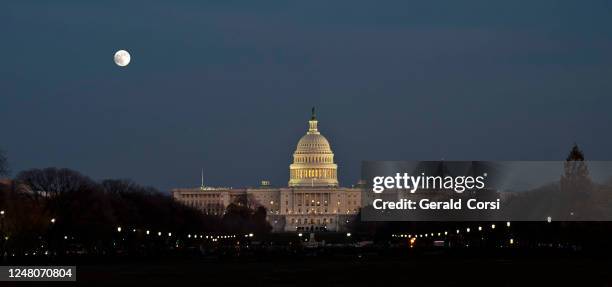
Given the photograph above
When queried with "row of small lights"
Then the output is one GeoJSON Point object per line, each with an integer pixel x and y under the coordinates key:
{"type": "Point", "coordinates": [446, 233]}
{"type": "Point", "coordinates": [215, 238]}
{"type": "Point", "coordinates": [548, 219]}
{"type": "Point", "coordinates": [159, 233]}
{"type": "Point", "coordinates": [195, 236]}
{"type": "Point", "coordinates": [348, 234]}
{"type": "Point", "coordinates": [119, 229]}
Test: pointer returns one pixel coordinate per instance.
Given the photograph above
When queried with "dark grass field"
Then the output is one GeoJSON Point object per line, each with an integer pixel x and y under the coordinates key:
{"type": "Point", "coordinates": [415, 269]}
{"type": "Point", "coordinates": [352, 273]}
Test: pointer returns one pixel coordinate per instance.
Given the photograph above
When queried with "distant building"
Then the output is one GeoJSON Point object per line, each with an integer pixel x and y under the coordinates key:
{"type": "Point", "coordinates": [313, 200]}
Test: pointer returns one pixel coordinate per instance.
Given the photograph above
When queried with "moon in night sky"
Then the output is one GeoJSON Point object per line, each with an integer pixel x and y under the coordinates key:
{"type": "Point", "coordinates": [122, 58]}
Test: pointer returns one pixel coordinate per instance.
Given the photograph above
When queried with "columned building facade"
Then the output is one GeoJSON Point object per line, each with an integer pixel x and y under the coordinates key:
{"type": "Point", "coordinates": [313, 200]}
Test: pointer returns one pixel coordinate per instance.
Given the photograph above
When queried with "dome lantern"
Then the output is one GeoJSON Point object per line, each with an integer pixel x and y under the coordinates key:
{"type": "Point", "coordinates": [312, 123]}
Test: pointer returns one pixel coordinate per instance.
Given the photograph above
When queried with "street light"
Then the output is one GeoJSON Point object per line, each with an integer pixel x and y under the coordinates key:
{"type": "Point", "coordinates": [118, 228]}
{"type": "Point", "coordinates": [52, 220]}
{"type": "Point", "coordinates": [1, 212]}
{"type": "Point", "coordinates": [348, 234]}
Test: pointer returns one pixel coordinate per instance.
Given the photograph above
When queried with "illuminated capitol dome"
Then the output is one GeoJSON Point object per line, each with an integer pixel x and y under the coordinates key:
{"type": "Point", "coordinates": [312, 202]}
{"type": "Point", "coordinates": [313, 160]}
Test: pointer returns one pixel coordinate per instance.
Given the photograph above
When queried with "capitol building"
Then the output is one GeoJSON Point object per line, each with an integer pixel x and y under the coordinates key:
{"type": "Point", "coordinates": [312, 201]}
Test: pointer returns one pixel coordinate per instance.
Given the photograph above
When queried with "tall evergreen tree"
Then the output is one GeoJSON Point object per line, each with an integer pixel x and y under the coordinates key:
{"type": "Point", "coordinates": [576, 172]}
{"type": "Point", "coordinates": [576, 188]}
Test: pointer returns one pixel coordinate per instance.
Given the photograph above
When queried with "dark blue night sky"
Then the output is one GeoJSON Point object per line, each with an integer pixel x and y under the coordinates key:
{"type": "Point", "coordinates": [228, 85]}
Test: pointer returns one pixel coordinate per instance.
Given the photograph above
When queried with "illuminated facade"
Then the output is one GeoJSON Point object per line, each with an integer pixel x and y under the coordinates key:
{"type": "Point", "coordinates": [313, 200]}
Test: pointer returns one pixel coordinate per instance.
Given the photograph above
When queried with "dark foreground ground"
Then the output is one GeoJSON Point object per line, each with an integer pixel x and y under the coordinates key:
{"type": "Point", "coordinates": [433, 268]}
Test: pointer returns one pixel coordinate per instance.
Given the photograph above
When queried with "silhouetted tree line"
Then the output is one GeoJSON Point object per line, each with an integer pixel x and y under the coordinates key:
{"type": "Point", "coordinates": [238, 218]}
{"type": "Point", "coordinates": [60, 210]}
{"type": "Point", "coordinates": [575, 193]}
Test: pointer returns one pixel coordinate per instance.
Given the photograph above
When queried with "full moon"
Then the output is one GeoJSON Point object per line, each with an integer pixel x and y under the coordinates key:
{"type": "Point", "coordinates": [122, 58]}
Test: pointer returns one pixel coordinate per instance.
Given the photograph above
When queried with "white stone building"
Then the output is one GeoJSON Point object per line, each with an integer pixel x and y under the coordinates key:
{"type": "Point", "coordinates": [313, 200]}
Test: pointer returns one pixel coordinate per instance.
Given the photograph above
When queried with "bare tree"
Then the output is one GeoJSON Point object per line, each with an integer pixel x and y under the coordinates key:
{"type": "Point", "coordinates": [247, 200]}
{"type": "Point", "coordinates": [53, 181]}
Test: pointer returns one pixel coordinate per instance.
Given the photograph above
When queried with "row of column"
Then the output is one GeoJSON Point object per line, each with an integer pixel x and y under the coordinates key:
{"type": "Point", "coordinates": [322, 173]}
